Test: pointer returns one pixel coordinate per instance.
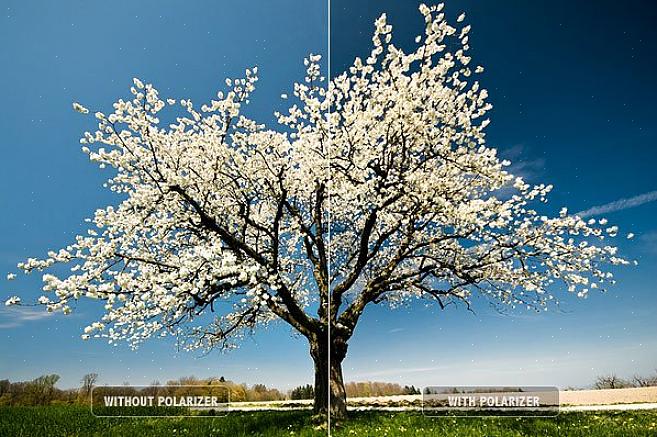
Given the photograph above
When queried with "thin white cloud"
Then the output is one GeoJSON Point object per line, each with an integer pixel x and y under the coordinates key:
{"type": "Point", "coordinates": [521, 163]}
{"type": "Point", "coordinates": [620, 205]}
{"type": "Point", "coordinates": [9, 325]}
{"type": "Point", "coordinates": [16, 316]}
{"type": "Point", "coordinates": [396, 371]}
{"type": "Point", "coordinates": [649, 242]}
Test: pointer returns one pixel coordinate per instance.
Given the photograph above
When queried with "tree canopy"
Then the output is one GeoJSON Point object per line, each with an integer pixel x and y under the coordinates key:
{"type": "Point", "coordinates": [377, 185]}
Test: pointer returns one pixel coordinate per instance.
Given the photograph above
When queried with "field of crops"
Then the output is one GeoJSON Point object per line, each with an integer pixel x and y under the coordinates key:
{"type": "Point", "coordinates": [73, 421]}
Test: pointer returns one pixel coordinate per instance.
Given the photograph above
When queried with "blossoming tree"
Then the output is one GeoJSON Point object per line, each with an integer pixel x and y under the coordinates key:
{"type": "Point", "coordinates": [378, 187]}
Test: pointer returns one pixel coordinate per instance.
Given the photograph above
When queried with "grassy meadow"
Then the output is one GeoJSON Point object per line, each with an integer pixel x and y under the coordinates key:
{"type": "Point", "coordinates": [76, 421]}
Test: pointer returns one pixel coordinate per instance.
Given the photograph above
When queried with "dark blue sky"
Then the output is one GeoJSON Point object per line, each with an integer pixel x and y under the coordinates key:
{"type": "Point", "coordinates": [573, 89]}
{"type": "Point", "coordinates": [574, 93]}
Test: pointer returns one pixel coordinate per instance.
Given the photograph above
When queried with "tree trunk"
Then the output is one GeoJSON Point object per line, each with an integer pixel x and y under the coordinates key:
{"type": "Point", "coordinates": [326, 387]}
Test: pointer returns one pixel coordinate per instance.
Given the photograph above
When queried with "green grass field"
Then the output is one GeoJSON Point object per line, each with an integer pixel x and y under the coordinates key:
{"type": "Point", "coordinates": [73, 421]}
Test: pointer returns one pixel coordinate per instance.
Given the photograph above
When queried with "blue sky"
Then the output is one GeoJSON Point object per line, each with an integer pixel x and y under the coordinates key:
{"type": "Point", "coordinates": [57, 53]}
{"type": "Point", "coordinates": [574, 98]}
{"type": "Point", "coordinates": [574, 91]}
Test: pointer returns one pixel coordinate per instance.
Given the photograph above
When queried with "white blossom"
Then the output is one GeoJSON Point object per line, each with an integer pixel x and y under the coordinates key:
{"type": "Point", "coordinates": [79, 108]}
{"type": "Point", "coordinates": [14, 300]}
{"type": "Point", "coordinates": [384, 173]}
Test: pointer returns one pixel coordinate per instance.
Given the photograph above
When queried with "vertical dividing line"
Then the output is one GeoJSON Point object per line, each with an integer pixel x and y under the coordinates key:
{"type": "Point", "coordinates": [328, 151]}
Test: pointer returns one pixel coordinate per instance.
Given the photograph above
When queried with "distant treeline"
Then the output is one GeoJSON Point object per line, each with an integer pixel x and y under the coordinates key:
{"type": "Point", "coordinates": [360, 390]}
{"type": "Point", "coordinates": [42, 390]}
{"type": "Point", "coordinates": [39, 391]}
{"type": "Point", "coordinates": [613, 381]}
{"type": "Point", "coordinates": [369, 389]}
{"type": "Point", "coordinates": [238, 392]}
